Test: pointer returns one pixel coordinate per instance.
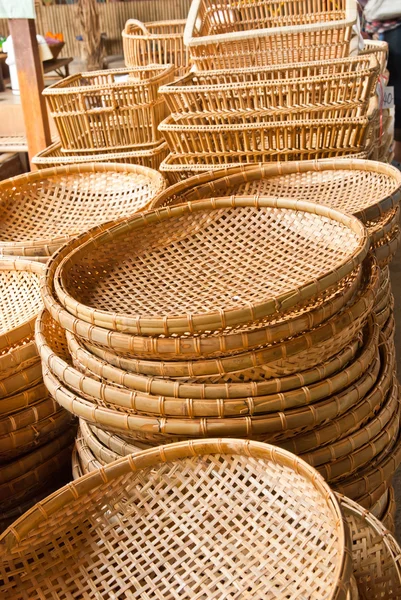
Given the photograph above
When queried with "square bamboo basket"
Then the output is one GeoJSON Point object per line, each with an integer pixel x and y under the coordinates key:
{"type": "Point", "coordinates": [252, 33]}
{"type": "Point", "coordinates": [114, 109]}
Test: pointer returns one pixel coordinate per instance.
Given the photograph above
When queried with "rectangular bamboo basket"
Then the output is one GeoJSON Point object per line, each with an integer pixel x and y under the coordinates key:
{"type": "Point", "coordinates": [177, 167]}
{"type": "Point", "coordinates": [54, 157]}
{"type": "Point", "coordinates": [113, 109]}
{"type": "Point", "coordinates": [314, 88]}
{"type": "Point", "coordinates": [266, 32]}
{"type": "Point", "coordinates": [158, 42]}
{"type": "Point", "coordinates": [309, 139]}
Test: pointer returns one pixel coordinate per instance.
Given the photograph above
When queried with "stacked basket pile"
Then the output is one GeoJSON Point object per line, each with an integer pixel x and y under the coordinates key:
{"type": "Point", "coordinates": [232, 317]}
{"type": "Point", "coordinates": [36, 434]}
{"type": "Point", "coordinates": [42, 210]}
{"type": "Point", "coordinates": [108, 116]}
{"type": "Point", "coordinates": [200, 519]}
{"type": "Point", "coordinates": [282, 109]}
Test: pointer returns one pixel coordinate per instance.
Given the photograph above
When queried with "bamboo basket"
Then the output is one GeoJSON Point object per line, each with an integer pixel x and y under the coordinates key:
{"type": "Point", "coordinates": [36, 412]}
{"type": "Point", "coordinates": [294, 90]}
{"type": "Point", "coordinates": [20, 302]}
{"type": "Point", "coordinates": [177, 168]}
{"type": "Point", "coordinates": [18, 357]}
{"type": "Point", "coordinates": [203, 469]}
{"type": "Point", "coordinates": [379, 49]}
{"type": "Point", "coordinates": [20, 381]}
{"type": "Point", "coordinates": [158, 42]}
{"type": "Point", "coordinates": [365, 188]}
{"type": "Point", "coordinates": [54, 157]}
{"type": "Point", "coordinates": [114, 109]}
{"type": "Point", "coordinates": [266, 33]}
{"type": "Point", "coordinates": [269, 141]}
{"type": "Point", "coordinates": [218, 217]}
{"type": "Point", "coordinates": [375, 553]}
{"type": "Point", "coordinates": [44, 209]}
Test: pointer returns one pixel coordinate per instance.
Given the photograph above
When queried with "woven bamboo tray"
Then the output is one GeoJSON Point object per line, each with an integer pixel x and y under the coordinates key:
{"type": "Point", "coordinates": [157, 42]}
{"type": "Point", "coordinates": [300, 353]}
{"type": "Point", "coordinates": [103, 452]}
{"type": "Point", "coordinates": [304, 88]}
{"type": "Point", "coordinates": [30, 461]}
{"type": "Point", "coordinates": [43, 209]}
{"type": "Point", "coordinates": [23, 399]}
{"type": "Point", "coordinates": [385, 249]}
{"type": "Point", "coordinates": [76, 465]}
{"type": "Point", "coordinates": [192, 251]}
{"type": "Point", "coordinates": [20, 302]}
{"type": "Point", "coordinates": [102, 110]}
{"type": "Point", "coordinates": [375, 554]}
{"type": "Point", "coordinates": [268, 142]}
{"type": "Point", "coordinates": [193, 407]}
{"type": "Point", "coordinates": [29, 438]}
{"type": "Point", "coordinates": [365, 188]}
{"type": "Point", "coordinates": [54, 157]}
{"type": "Point", "coordinates": [34, 413]}
{"type": "Point", "coordinates": [260, 33]}
{"type": "Point", "coordinates": [21, 381]}
{"type": "Point", "coordinates": [211, 470]}
{"type": "Point", "coordinates": [388, 517]}
{"type": "Point", "coordinates": [388, 329]}
{"type": "Point", "coordinates": [177, 168]}
{"type": "Point", "coordinates": [380, 507]}
{"type": "Point", "coordinates": [18, 357]}
{"type": "Point", "coordinates": [32, 482]}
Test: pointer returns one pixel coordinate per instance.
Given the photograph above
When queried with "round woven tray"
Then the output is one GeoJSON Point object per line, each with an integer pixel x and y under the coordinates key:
{"type": "Point", "coordinates": [381, 505]}
{"type": "Point", "coordinates": [388, 329]}
{"type": "Point", "coordinates": [388, 517]}
{"type": "Point", "coordinates": [28, 438]}
{"type": "Point", "coordinates": [28, 416]}
{"type": "Point", "coordinates": [278, 360]}
{"type": "Point", "coordinates": [43, 209]}
{"type": "Point", "coordinates": [207, 235]}
{"type": "Point", "coordinates": [375, 554]}
{"type": "Point", "coordinates": [30, 461]}
{"type": "Point", "coordinates": [386, 248]}
{"type": "Point", "coordinates": [18, 357]}
{"type": "Point", "coordinates": [365, 188]}
{"type": "Point", "coordinates": [97, 386]}
{"type": "Point", "coordinates": [20, 302]}
{"type": "Point", "coordinates": [20, 381]}
{"type": "Point", "coordinates": [22, 400]}
{"type": "Point", "coordinates": [220, 474]}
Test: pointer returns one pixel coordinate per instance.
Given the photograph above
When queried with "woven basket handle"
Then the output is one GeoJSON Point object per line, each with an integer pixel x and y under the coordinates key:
{"type": "Point", "coordinates": [133, 23]}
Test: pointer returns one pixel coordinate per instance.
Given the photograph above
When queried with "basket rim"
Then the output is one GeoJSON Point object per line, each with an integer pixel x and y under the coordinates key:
{"type": "Point", "coordinates": [288, 168]}
{"type": "Point", "coordinates": [203, 321]}
{"type": "Point", "coordinates": [23, 526]}
{"type": "Point", "coordinates": [154, 36]}
{"type": "Point", "coordinates": [60, 87]}
{"type": "Point", "coordinates": [49, 153]}
{"type": "Point", "coordinates": [191, 39]}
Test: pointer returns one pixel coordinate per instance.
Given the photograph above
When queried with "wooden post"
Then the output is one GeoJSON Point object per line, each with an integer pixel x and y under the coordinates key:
{"type": "Point", "coordinates": [31, 84]}
{"type": "Point", "coordinates": [88, 13]}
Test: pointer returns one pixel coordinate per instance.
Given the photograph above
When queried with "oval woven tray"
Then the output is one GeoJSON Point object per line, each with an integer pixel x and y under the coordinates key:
{"type": "Point", "coordinates": [365, 188]}
{"type": "Point", "coordinates": [278, 360]}
{"type": "Point", "coordinates": [43, 209]}
{"type": "Point", "coordinates": [211, 470]}
{"type": "Point", "coordinates": [202, 231]}
{"type": "Point", "coordinates": [375, 554]}
{"type": "Point", "coordinates": [20, 301]}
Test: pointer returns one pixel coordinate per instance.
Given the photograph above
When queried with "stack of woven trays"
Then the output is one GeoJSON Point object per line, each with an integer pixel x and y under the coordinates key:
{"type": "Point", "coordinates": [267, 114]}
{"type": "Point", "coordinates": [110, 116]}
{"type": "Point", "coordinates": [157, 42]}
{"type": "Point", "coordinates": [231, 317]}
{"type": "Point", "coordinates": [200, 519]}
{"type": "Point", "coordinates": [42, 210]}
{"type": "Point", "coordinates": [36, 434]}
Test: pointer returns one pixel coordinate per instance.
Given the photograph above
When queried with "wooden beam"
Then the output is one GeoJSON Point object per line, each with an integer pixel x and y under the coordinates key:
{"type": "Point", "coordinates": [31, 84]}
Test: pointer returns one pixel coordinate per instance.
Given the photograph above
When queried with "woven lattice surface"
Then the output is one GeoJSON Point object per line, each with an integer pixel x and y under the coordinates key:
{"type": "Point", "coordinates": [356, 189]}
{"type": "Point", "coordinates": [66, 201]}
{"type": "Point", "coordinates": [20, 303]}
{"type": "Point", "coordinates": [375, 554]}
{"type": "Point", "coordinates": [219, 523]}
{"type": "Point", "coordinates": [200, 259]}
